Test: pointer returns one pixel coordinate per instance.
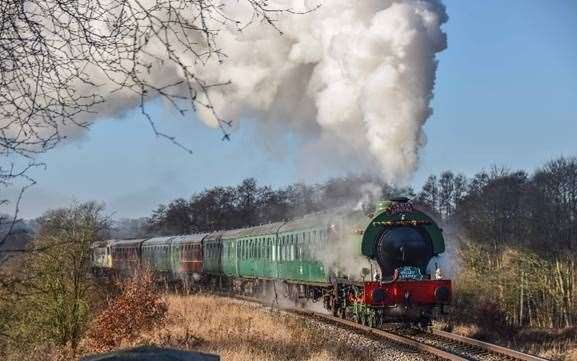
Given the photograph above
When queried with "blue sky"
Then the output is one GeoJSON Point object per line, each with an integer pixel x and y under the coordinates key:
{"type": "Point", "coordinates": [506, 94]}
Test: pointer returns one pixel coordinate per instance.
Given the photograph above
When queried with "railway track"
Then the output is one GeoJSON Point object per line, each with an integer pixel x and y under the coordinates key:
{"type": "Point", "coordinates": [440, 344]}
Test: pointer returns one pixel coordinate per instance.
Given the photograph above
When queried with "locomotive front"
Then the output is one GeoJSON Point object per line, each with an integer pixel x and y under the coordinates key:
{"type": "Point", "coordinates": [403, 241]}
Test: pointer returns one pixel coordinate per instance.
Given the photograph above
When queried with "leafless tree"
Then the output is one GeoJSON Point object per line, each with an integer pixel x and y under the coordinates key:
{"type": "Point", "coordinates": [60, 60]}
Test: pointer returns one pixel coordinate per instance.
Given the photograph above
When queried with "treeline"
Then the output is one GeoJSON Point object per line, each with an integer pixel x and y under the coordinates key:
{"type": "Point", "coordinates": [249, 204]}
{"type": "Point", "coordinates": [501, 207]}
{"type": "Point", "coordinates": [517, 240]}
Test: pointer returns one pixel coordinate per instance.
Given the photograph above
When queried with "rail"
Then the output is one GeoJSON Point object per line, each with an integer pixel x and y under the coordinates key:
{"type": "Point", "coordinates": [441, 344]}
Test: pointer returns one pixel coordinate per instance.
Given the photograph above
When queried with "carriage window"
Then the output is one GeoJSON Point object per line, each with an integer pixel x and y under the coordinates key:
{"type": "Point", "coordinates": [260, 249]}
{"type": "Point", "coordinates": [299, 247]}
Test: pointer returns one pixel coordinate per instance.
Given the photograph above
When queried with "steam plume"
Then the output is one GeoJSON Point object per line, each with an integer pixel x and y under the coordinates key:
{"type": "Point", "coordinates": [356, 74]}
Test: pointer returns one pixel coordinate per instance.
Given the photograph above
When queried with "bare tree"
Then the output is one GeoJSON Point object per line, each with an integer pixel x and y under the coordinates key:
{"type": "Point", "coordinates": [442, 194]}
{"type": "Point", "coordinates": [555, 187]}
{"type": "Point", "coordinates": [62, 62]}
{"type": "Point", "coordinates": [57, 54]}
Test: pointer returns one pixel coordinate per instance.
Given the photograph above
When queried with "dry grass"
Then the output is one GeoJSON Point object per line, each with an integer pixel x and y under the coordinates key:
{"type": "Point", "coordinates": [240, 331]}
{"type": "Point", "coordinates": [558, 345]}
{"type": "Point", "coordinates": [243, 332]}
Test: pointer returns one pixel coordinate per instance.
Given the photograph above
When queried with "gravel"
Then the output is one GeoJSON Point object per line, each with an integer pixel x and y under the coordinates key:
{"type": "Point", "coordinates": [379, 350]}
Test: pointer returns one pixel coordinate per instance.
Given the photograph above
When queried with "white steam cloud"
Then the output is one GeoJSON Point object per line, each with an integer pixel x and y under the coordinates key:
{"type": "Point", "coordinates": [357, 75]}
{"type": "Point", "coordinates": [353, 77]}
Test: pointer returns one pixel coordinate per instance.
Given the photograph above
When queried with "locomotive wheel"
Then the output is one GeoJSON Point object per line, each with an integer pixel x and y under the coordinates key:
{"type": "Point", "coordinates": [357, 318]}
{"type": "Point", "coordinates": [424, 323]}
{"type": "Point", "coordinates": [365, 319]}
{"type": "Point", "coordinates": [342, 312]}
{"type": "Point", "coordinates": [380, 319]}
{"type": "Point", "coordinates": [335, 309]}
{"type": "Point", "coordinates": [369, 321]}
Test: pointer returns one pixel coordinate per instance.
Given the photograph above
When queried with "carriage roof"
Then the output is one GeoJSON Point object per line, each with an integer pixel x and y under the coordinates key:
{"type": "Point", "coordinates": [101, 244]}
{"type": "Point", "coordinates": [189, 238]}
{"type": "Point", "coordinates": [126, 243]}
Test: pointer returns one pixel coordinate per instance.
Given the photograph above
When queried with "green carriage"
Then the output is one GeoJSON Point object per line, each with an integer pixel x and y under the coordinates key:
{"type": "Point", "coordinates": [292, 251]}
{"type": "Point", "coordinates": [156, 254]}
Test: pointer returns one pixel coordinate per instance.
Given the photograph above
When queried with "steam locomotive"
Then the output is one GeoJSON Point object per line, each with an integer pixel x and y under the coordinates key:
{"type": "Point", "coordinates": [369, 268]}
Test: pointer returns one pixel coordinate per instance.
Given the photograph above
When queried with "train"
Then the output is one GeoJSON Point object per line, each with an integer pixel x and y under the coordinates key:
{"type": "Point", "coordinates": [371, 268]}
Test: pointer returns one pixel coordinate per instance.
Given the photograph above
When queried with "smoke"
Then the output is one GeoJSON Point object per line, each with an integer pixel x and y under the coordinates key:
{"type": "Point", "coordinates": [352, 79]}
{"type": "Point", "coordinates": [356, 76]}
{"type": "Point", "coordinates": [370, 194]}
{"type": "Point", "coordinates": [449, 261]}
{"type": "Point", "coordinates": [341, 255]}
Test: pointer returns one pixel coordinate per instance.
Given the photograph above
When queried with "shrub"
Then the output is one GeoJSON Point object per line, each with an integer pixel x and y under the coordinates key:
{"type": "Point", "coordinates": [138, 307]}
{"type": "Point", "coordinates": [48, 301]}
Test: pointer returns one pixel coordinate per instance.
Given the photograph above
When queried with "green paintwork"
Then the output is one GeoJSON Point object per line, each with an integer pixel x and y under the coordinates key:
{"type": "Point", "coordinates": [378, 224]}
{"type": "Point", "coordinates": [156, 254]}
{"type": "Point", "coordinates": [283, 250]}
{"type": "Point", "coordinates": [293, 250]}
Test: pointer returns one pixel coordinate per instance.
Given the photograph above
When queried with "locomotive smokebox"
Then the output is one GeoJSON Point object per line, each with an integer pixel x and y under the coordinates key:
{"type": "Point", "coordinates": [403, 246]}
{"type": "Point", "coordinates": [400, 235]}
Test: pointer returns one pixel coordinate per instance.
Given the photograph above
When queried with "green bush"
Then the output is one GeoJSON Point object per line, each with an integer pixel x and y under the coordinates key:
{"type": "Point", "coordinates": [50, 302]}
